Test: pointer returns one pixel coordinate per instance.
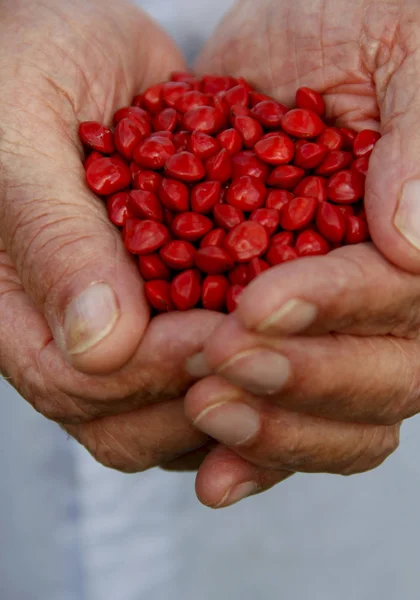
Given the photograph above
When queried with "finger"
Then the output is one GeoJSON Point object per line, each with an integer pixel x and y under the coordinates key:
{"type": "Point", "coordinates": [341, 377]}
{"type": "Point", "coordinates": [191, 461]}
{"type": "Point", "coordinates": [272, 437]}
{"type": "Point", "coordinates": [225, 478]}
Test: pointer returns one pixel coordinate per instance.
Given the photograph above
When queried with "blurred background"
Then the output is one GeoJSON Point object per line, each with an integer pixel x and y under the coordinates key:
{"type": "Point", "coordinates": [73, 530]}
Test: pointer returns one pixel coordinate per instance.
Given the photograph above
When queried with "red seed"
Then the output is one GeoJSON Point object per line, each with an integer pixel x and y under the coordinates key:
{"type": "Point", "coordinates": [213, 292]}
{"type": "Point", "coordinates": [191, 226]}
{"type": "Point", "coordinates": [151, 266]}
{"type": "Point", "coordinates": [153, 152]}
{"type": "Point", "coordinates": [246, 241]}
{"type": "Point", "coordinates": [309, 155]}
{"type": "Point", "coordinates": [167, 120]}
{"type": "Point", "coordinates": [365, 142]}
{"type": "Point", "coordinates": [246, 193]}
{"type": "Point", "coordinates": [311, 243]}
{"type": "Point", "coordinates": [168, 135]}
{"type": "Point", "coordinates": [219, 167]}
{"type": "Point", "coordinates": [298, 213]}
{"type": "Point", "coordinates": [357, 230]}
{"type": "Point", "coordinates": [280, 253]}
{"type": "Point", "coordinates": [181, 140]}
{"type": "Point", "coordinates": [168, 216]}
{"type": "Point", "coordinates": [144, 205]}
{"type": "Point", "coordinates": [203, 118]}
{"type": "Point", "coordinates": [213, 84]}
{"type": "Point", "coordinates": [118, 212]}
{"type": "Point", "coordinates": [97, 136]}
{"type": "Point", "coordinates": [310, 99]}
{"type": "Point", "coordinates": [153, 99]}
{"type": "Point", "coordinates": [186, 289]}
{"type": "Point", "coordinates": [174, 195]}
{"type": "Point", "coordinates": [346, 209]}
{"type": "Point", "coordinates": [138, 100]}
{"type": "Point", "coordinates": [331, 222]}
{"type": "Point", "coordinates": [91, 158]}
{"type": "Point", "coordinates": [216, 237]}
{"type": "Point", "coordinates": [284, 238]}
{"type": "Point", "coordinates": [202, 145]}
{"type": "Point", "coordinates": [158, 295]}
{"type": "Point", "coordinates": [134, 113]}
{"type": "Point", "coordinates": [172, 91]}
{"type": "Point", "coordinates": [190, 100]}
{"type": "Point", "coordinates": [332, 138]}
{"type": "Point", "coordinates": [237, 95]}
{"type": "Point", "coordinates": [205, 195]}
{"type": "Point", "coordinates": [232, 297]}
{"type": "Point", "coordinates": [250, 130]}
{"type": "Point", "coordinates": [178, 254]}
{"type": "Point", "coordinates": [144, 237]}
{"type": "Point", "coordinates": [239, 275]}
{"type": "Point", "coordinates": [286, 176]}
{"type": "Point", "coordinates": [213, 260]}
{"type": "Point", "coordinates": [348, 137]}
{"type": "Point", "coordinates": [267, 217]}
{"type": "Point", "coordinates": [312, 186]}
{"type": "Point", "coordinates": [336, 160]}
{"type": "Point", "coordinates": [256, 267]}
{"type": "Point", "coordinates": [231, 140]}
{"type": "Point", "coordinates": [269, 113]}
{"type": "Point", "coordinates": [238, 111]}
{"type": "Point", "coordinates": [128, 134]}
{"type": "Point", "coordinates": [148, 181]}
{"type": "Point", "coordinates": [276, 149]}
{"type": "Point", "coordinates": [186, 78]}
{"type": "Point", "coordinates": [257, 97]}
{"type": "Point", "coordinates": [247, 163]}
{"type": "Point", "coordinates": [185, 166]}
{"type": "Point", "coordinates": [108, 175]}
{"type": "Point", "coordinates": [346, 187]}
{"type": "Point", "coordinates": [277, 199]}
{"type": "Point", "coordinates": [302, 123]}
{"type": "Point", "coordinates": [361, 165]}
{"type": "Point", "coordinates": [227, 216]}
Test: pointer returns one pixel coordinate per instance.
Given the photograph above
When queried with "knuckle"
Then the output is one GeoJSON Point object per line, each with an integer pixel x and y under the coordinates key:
{"type": "Point", "coordinates": [374, 447]}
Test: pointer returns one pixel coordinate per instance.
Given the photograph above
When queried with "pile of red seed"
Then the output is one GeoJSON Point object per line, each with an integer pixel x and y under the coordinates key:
{"type": "Point", "coordinates": [214, 182]}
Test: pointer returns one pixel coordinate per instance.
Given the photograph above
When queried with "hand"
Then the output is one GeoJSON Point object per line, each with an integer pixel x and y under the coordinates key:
{"type": "Point", "coordinates": [336, 367]}
{"type": "Point", "coordinates": [74, 324]}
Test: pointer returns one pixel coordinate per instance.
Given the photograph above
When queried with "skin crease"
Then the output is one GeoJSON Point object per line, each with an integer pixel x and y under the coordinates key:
{"type": "Point", "coordinates": [353, 373]}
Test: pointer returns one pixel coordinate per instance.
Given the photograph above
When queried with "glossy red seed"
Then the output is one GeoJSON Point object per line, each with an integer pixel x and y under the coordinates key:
{"type": "Point", "coordinates": [232, 297]}
{"type": "Point", "coordinates": [178, 254]}
{"type": "Point", "coordinates": [213, 292]}
{"type": "Point", "coordinates": [312, 186]}
{"type": "Point", "coordinates": [144, 205]}
{"type": "Point", "coordinates": [267, 217]}
{"type": "Point", "coordinates": [205, 195]}
{"type": "Point", "coordinates": [91, 158]}
{"type": "Point", "coordinates": [219, 166]}
{"type": "Point", "coordinates": [238, 111]}
{"type": "Point", "coordinates": [276, 149]}
{"type": "Point", "coordinates": [213, 260]}
{"type": "Point", "coordinates": [311, 243]}
{"type": "Point", "coordinates": [128, 134]}
{"type": "Point", "coordinates": [361, 165]}
{"type": "Point", "coordinates": [284, 238]}
{"type": "Point", "coordinates": [256, 267]}
{"type": "Point", "coordinates": [148, 181]}
{"type": "Point", "coordinates": [216, 237]}
{"type": "Point", "coordinates": [174, 195]}
{"type": "Point", "coordinates": [246, 241]}
{"type": "Point", "coordinates": [151, 266]}
{"type": "Point", "coordinates": [365, 142]}
{"type": "Point", "coordinates": [135, 170]}
{"type": "Point", "coordinates": [137, 100]}
{"type": "Point", "coordinates": [302, 123]}
{"type": "Point", "coordinates": [153, 152]}
{"type": "Point", "coordinates": [203, 118]}
{"type": "Point", "coordinates": [237, 95]}
{"type": "Point", "coordinates": [134, 113]}
{"type": "Point", "coordinates": [298, 213]}
{"type": "Point", "coordinates": [118, 212]}
{"type": "Point", "coordinates": [269, 113]}
{"type": "Point", "coordinates": [280, 253]}
{"type": "Point", "coordinates": [249, 129]}
{"type": "Point", "coordinates": [144, 237]}
{"type": "Point", "coordinates": [202, 145]}
{"type": "Point", "coordinates": [191, 226]}
{"type": "Point", "coordinates": [331, 222]}
{"type": "Point", "coordinates": [181, 140]}
{"type": "Point", "coordinates": [309, 155]}
{"type": "Point", "coordinates": [222, 111]}
{"type": "Point", "coordinates": [185, 166]}
{"type": "Point", "coordinates": [173, 90]}
{"type": "Point", "coordinates": [168, 216]}
{"type": "Point", "coordinates": [191, 100]}
{"type": "Point", "coordinates": [308, 98]}
{"type": "Point", "coordinates": [247, 163]}
{"type": "Point", "coordinates": [106, 176]}
{"type": "Point", "coordinates": [346, 209]}
{"type": "Point", "coordinates": [336, 160]}
{"type": "Point", "coordinates": [158, 295]}
{"type": "Point", "coordinates": [357, 230]}
{"type": "Point", "coordinates": [97, 136]}
{"type": "Point", "coordinates": [226, 216]}
{"type": "Point", "coordinates": [348, 138]}
{"type": "Point", "coordinates": [246, 193]}
{"type": "Point", "coordinates": [231, 140]}
{"type": "Point", "coordinates": [213, 84]}
{"type": "Point", "coordinates": [277, 199]}
{"type": "Point", "coordinates": [239, 275]}
{"type": "Point", "coordinates": [153, 99]}
{"type": "Point", "coordinates": [332, 138]}
{"type": "Point", "coordinates": [167, 120]}
{"type": "Point", "coordinates": [346, 187]}
{"type": "Point", "coordinates": [168, 135]}
{"type": "Point", "coordinates": [257, 97]}
{"type": "Point", "coordinates": [185, 77]}
{"type": "Point", "coordinates": [285, 176]}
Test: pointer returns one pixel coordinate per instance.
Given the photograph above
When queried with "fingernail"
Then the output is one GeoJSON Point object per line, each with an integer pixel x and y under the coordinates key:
{"type": "Point", "coordinates": [197, 366]}
{"type": "Point", "coordinates": [407, 217]}
{"type": "Point", "coordinates": [237, 493]}
{"type": "Point", "coordinates": [231, 423]}
{"type": "Point", "coordinates": [258, 371]}
{"type": "Point", "coordinates": [89, 318]}
{"type": "Point", "coordinates": [294, 316]}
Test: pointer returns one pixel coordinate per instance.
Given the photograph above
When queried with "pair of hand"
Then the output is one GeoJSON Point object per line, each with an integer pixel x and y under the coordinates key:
{"type": "Point", "coordinates": [319, 374]}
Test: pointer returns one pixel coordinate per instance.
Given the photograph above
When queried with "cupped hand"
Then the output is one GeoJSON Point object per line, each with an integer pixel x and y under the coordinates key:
{"type": "Point", "coordinates": [74, 324]}
{"type": "Point", "coordinates": [318, 366]}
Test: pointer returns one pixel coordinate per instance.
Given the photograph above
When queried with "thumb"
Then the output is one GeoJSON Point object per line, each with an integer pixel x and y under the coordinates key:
{"type": "Point", "coordinates": [70, 259]}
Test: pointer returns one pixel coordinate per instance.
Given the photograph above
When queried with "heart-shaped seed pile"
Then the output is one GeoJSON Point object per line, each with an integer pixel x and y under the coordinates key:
{"type": "Point", "coordinates": [213, 182]}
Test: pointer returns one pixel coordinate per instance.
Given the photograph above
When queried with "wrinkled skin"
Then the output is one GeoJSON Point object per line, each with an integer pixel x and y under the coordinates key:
{"type": "Point", "coordinates": [327, 388]}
